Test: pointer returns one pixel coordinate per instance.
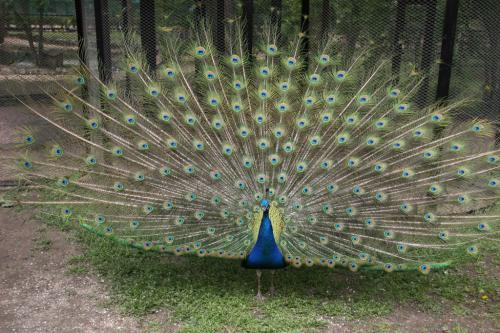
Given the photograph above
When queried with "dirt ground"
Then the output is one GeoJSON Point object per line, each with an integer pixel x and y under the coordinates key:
{"type": "Point", "coordinates": [37, 293]}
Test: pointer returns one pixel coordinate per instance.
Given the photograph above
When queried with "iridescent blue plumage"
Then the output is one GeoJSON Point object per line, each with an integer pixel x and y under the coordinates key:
{"type": "Point", "coordinates": [265, 254]}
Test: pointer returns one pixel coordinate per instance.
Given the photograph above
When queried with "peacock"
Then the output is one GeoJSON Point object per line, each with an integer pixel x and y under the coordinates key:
{"type": "Point", "coordinates": [275, 158]}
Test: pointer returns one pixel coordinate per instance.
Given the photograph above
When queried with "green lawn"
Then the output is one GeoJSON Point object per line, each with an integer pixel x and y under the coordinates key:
{"type": "Point", "coordinates": [213, 295]}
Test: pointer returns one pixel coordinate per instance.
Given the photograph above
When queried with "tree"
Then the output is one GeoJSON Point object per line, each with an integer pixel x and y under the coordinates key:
{"type": "Point", "coordinates": [21, 11]}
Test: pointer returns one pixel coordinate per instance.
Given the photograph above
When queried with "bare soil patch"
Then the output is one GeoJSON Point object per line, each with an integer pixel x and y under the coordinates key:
{"type": "Point", "coordinates": [37, 294]}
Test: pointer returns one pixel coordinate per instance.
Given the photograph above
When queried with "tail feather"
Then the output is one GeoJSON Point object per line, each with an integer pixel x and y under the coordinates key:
{"type": "Point", "coordinates": [178, 160]}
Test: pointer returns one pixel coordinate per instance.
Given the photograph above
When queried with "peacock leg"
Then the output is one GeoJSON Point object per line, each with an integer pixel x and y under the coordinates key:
{"type": "Point", "coordinates": [259, 294]}
{"type": "Point", "coordinates": [272, 290]}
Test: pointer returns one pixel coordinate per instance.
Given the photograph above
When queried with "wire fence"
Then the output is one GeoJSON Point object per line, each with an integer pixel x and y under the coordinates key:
{"type": "Point", "coordinates": [40, 38]}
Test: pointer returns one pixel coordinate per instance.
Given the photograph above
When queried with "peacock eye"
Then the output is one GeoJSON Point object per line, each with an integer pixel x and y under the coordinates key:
{"type": "Point", "coordinates": [200, 51]}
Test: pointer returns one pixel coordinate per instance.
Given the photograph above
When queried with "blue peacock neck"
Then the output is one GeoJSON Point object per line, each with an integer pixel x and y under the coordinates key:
{"type": "Point", "coordinates": [265, 254]}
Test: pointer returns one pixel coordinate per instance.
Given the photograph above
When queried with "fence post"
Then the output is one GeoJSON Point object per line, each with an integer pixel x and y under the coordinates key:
{"type": "Point", "coordinates": [125, 28]}
{"type": "Point", "coordinates": [399, 26]}
{"type": "Point", "coordinates": [219, 31]}
{"type": "Point", "coordinates": [148, 32]}
{"type": "Point", "coordinates": [101, 12]}
{"type": "Point", "coordinates": [427, 49]}
{"type": "Point", "coordinates": [304, 24]}
{"type": "Point", "coordinates": [447, 47]}
{"type": "Point", "coordinates": [80, 30]}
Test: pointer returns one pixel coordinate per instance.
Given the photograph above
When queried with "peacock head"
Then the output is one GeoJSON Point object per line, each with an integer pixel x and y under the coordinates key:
{"type": "Point", "coordinates": [264, 204]}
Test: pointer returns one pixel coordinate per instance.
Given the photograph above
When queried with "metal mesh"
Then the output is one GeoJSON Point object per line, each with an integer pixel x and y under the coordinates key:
{"type": "Point", "coordinates": [405, 31]}
{"type": "Point", "coordinates": [476, 70]}
{"type": "Point", "coordinates": [36, 39]}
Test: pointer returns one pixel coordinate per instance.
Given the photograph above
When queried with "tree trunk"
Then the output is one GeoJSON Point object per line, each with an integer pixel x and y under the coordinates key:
{"type": "Point", "coordinates": [25, 22]}
{"type": "Point", "coordinates": [3, 22]}
{"type": "Point", "coordinates": [41, 11]}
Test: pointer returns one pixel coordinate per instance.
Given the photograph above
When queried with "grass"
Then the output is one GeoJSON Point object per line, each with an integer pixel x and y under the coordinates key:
{"type": "Point", "coordinates": [42, 243]}
{"type": "Point", "coordinates": [214, 295]}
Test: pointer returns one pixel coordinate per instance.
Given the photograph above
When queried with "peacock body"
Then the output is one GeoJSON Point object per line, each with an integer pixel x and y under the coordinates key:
{"type": "Point", "coordinates": [264, 159]}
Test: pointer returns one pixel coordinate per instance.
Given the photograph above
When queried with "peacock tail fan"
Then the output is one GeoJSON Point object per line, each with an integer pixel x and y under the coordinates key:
{"type": "Point", "coordinates": [178, 160]}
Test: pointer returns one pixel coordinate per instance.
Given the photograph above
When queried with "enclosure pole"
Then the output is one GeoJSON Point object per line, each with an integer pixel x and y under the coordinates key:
{"type": "Point", "coordinates": [427, 50]}
{"type": "Point", "coordinates": [398, 28]}
{"type": "Point", "coordinates": [3, 19]}
{"type": "Point", "coordinates": [219, 37]}
{"type": "Point", "coordinates": [148, 32]}
{"type": "Point", "coordinates": [199, 15]}
{"type": "Point", "coordinates": [248, 26]}
{"type": "Point", "coordinates": [101, 12]}
{"type": "Point", "coordinates": [80, 30]}
{"type": "Point", "coordinates": [305, 30]}
{"type": "Point", "coordinates": [126, 10]}
{"type": "Point", "coordinates": [447, 47]}
{"type": "Point", "coordinates": [82, 55]}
